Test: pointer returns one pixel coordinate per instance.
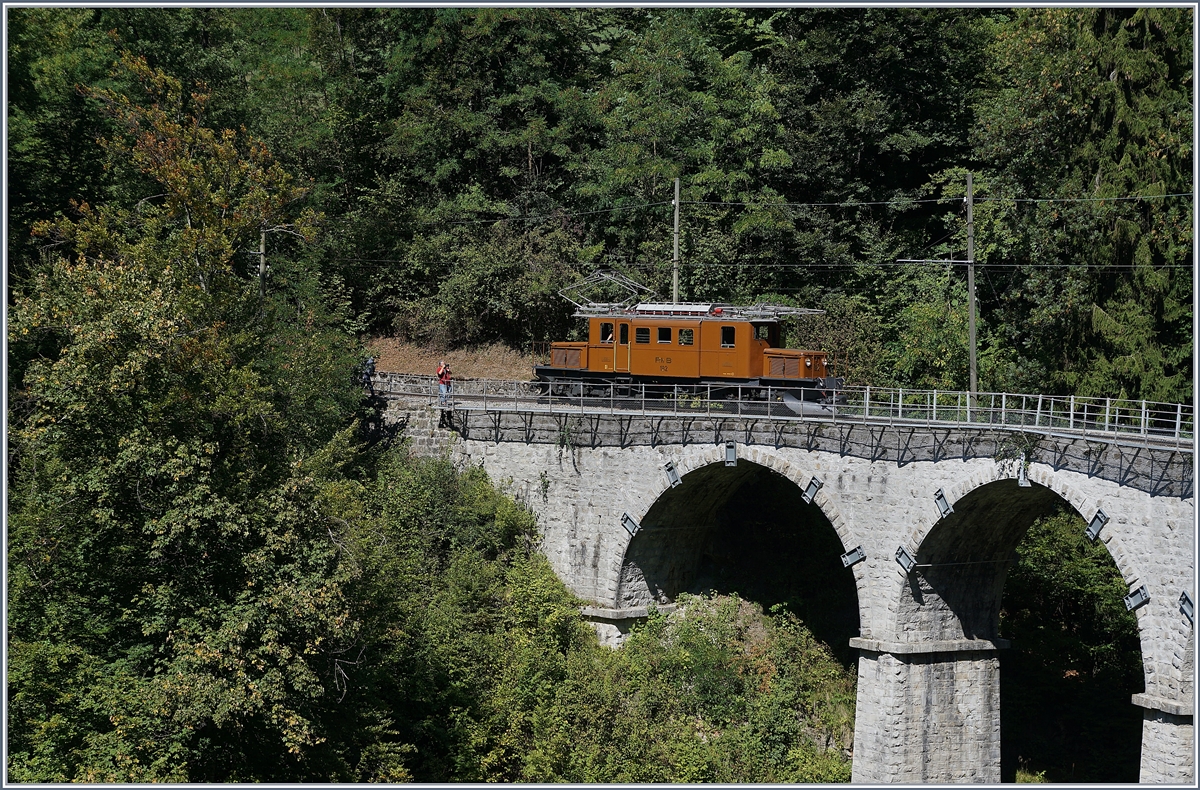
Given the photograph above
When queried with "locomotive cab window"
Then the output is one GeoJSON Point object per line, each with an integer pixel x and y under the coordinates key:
{"type": "Point", "coordinates": [642, 334]}
{"type": "Point", "coordinates": [727, 336]}
{"type": "Point", "coordinates": [664, 334]}
{"type": "Point", "coordinates": [606, 333]}
{"type": "Point", "coordinates": [767, 332]}
{"type": "Point", "coordinates": [624, 334]}
{"type": "Point", "coordinates": [685, 337]}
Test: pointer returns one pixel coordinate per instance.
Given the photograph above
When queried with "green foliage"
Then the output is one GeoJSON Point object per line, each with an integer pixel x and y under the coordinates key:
{"type": "Point", "coordinates": [493, 281]}
{"type": "Point", "coordinates": [849, 332]}
{"type": "Point", "coordinates": [1092, 104]}
{"type": "Point", "coordinates": [1071, 593]}
{"type": "Point", "coordinates": [169, 551]}
{"type": "Point", "coordinates": [209, 580]}
{"type": "Point", "coordinates": [712, 692]}
{"type": "Point", "coordinates": [1076, 655]}
{"type": "Point", "coordinates": [930, 349]}
{"type": "Point", "coordinates": [470, 163]}
{"type": "Point", "coordinates": [1027, 777]}
{"type": "Point", "coordinates": [50, 123]}
{"type": "Point", "coordinates": [485, 670]}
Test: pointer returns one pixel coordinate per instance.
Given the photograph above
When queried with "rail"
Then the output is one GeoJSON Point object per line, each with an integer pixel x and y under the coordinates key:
{"type": "Point", "coordinates": [1111, 420]}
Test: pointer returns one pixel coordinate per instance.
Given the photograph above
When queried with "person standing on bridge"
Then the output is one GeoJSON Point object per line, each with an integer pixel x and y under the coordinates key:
{"type": "Point", "coordinates": [444, 385]}
{"type": "Point", "coordinates": [368, 375]}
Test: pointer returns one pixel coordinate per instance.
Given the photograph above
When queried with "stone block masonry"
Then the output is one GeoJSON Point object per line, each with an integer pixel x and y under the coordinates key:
{"type": "Point", "coordinates": [1167, 749]}
{"type": "Point", "coordinates": [929, 717]}
{"type": "Point", "coordinates": [928, 698]}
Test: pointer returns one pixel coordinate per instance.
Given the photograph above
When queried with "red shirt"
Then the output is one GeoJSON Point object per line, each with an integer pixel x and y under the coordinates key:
{"type": "Point", "coordinates": [443, 375]}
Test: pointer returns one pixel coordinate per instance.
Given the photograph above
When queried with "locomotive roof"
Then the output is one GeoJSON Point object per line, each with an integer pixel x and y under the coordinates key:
{"type": "Point", "coordinates": [756, 312]}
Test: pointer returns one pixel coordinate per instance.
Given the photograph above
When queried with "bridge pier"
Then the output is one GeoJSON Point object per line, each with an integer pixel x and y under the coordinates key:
{"type": "Point", "coordinates": [927, 713]}
{"type": "Point", "coordinates": [1167, 739]}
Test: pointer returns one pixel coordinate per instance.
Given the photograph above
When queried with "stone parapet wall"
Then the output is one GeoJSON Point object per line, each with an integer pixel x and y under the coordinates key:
{"type": "Point", "coordinates": [429, 431]}
{"type": "Point", "coordinates": [1160, 472]}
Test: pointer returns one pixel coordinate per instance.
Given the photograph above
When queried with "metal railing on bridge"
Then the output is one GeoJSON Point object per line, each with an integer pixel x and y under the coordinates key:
{"type": "Point", "coordinates": [1112, 420]}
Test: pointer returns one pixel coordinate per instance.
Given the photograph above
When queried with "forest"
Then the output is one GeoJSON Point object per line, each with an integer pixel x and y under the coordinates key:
{"type": "Point", "coordinates": [217, 570]}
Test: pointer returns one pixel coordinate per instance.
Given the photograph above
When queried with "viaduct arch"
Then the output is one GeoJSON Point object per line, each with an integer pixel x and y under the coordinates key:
{"type": "Point", "coordinates": [705, 483]}
{"type": "Point", "coordinates": [928, 672]}
{"type": "Point", "coordinates": [745, 528]}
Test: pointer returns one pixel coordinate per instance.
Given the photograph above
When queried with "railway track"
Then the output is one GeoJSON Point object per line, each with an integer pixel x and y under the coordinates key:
{"type": "Point", "coordinates": [1107, 420]}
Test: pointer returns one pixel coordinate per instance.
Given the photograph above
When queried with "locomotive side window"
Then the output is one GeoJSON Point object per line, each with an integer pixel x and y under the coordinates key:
{"type": "Point", "coordinates": [606, 333]}
{"type": "Point", "coordinates": [685, 337]}
{"type": "Point", "coordinates": [727, 334]}
{"type": "Point", "coordinates": [767, 332]}
{"type": "Point", "coordinates": [624, 334]}
{"type": "Point", "coordinates": [642, 334]}
{"type": "Point", "coordinates": [664, 334]}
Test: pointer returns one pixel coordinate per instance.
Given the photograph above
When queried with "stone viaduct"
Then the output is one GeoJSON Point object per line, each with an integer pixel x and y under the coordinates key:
{"type": "Point", "coordinates": [627, 504]}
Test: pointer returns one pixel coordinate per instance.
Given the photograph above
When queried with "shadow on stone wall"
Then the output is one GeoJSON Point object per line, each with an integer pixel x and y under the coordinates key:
{"type": "Point", "coordinates": [745, 530]}
{"type": "Point", "coordinates": [962, 562]}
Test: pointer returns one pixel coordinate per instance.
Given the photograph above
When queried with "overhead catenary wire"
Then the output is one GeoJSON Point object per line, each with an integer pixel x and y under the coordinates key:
{"type": "Point", "coordinates": [814, 265]}
{"type": "Point", "coordinates": [842, 204]}
{"type": "Point", "coordinates": [926, 262]}
{"type": "Point", "coordinates": [557, 215]}
{"type": "Point", "coordinates": [901, 202]}
{"type": "Point", "coordinates": [1080, 200]}
{"type": "Point", "coordinates": [898, 203]}
{"type": "Point", "coordinates": [382, 262]}
{"type": "Point", "coordinates": [988, 279]}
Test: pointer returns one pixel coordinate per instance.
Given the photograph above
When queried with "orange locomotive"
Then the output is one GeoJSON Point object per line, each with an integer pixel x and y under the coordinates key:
{"type": "Point", "coordinates": [690, 344]}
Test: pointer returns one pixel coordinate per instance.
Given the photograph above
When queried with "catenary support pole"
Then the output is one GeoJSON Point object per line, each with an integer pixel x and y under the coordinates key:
{"type": "Point", "coordinates": [675, 260]}
{"type": "Point", "coordinates": [262, 269]}
{"type": "Point", "coordinates": [971, 281]}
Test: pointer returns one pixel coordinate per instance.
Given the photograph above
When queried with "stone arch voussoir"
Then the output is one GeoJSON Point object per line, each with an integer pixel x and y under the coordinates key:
{"type": "Point", "coordinates": [691, 458]}
{"type": "Point", "coordinates": [1086, 506]}
{"type": "Point", "coordinates": [697, 457]}
{"type": "Point", "coordinates": [1083, 504]}
{"type": "Point", "coordinates": [1128, 563]}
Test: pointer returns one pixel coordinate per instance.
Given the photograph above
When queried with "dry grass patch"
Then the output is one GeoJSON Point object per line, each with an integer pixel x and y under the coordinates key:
{"type": "Point", "coordinates": [494, 361]}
